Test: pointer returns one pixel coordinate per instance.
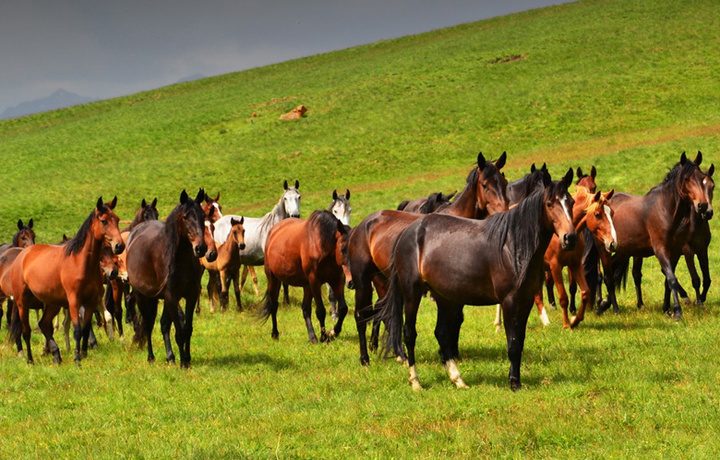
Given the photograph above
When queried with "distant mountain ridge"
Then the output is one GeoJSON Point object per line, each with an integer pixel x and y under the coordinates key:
{"type": "Point", "coordinates": [57, 100]}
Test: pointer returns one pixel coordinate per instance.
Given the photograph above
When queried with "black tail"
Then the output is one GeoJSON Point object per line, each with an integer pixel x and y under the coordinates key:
{"type": "Point", "coordinates": [15, 325]}
{"type": "Point", "coordinates": [140, 328]}
{"type": "Point", "coordinates": [590, 261]}
{"type": "Point", "coordinates": [265, 308]}
{"type": "Point", "coordinates": [109, 300]}
{"type": "Point", "coordinates": [391, 313]}
{"type": "Point", "coordinates": [620, 272]}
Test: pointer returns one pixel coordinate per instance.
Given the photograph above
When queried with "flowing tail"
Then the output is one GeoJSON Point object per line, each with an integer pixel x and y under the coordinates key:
{"type": "Point", "coordinates": [590, 261]}
{"type": "Point", "coordinates": [620, 272]}
{"type": "Point", "coordinates": [391, 313]}
{"type": "Point", "coordinates": [15, 325]}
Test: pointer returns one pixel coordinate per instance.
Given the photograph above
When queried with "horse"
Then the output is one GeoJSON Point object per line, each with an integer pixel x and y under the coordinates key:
{"type": "Point", "coordinates": [163, 263]}
{"type": "Point", "coordinates": [535, 180]}
{"type": "Point", "coordinates": [340, 207]}
{"type": "Point", "coordinates": [371, 242]}
{"type": "Point", "coordinates": [587, 181]}
{"type": "Point", "coordinates": [226, 267]}
{"type": "Point", "coordinates": [213, 203]}
{"type": "Point", "coordinates": [118, 289]}
{"type": "Point", "coordinates": [24, 237]}
{"type": "Point", "coordinates": [426, 204]}
{"type": "Point", "coordinates": [475, 262]}
{"type": "Point", "coordinates": [65, 276]}
{"type": "Point", "coordinates": [657, 223]}
{"type": "Point", "coordinates": [256, 230]}
{"type": "Point", "coordinates": [592, 212]}
{"type": "Point", "coordinates": [307, 253]}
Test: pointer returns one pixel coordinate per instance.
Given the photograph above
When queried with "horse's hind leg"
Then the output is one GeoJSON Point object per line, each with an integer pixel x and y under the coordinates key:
{"type": "Point", "coordinates": [307, 316]}
{"type": "Point", "coordinates": [187, 331]}
{"type": "Point", "coordinates": [341, 311]}
{"type": "Point", "coordinates": [363, 313]}
{"type": "Point", "coordinates": [235, 278]}
{"type": "Point", "coordinates": [637, 278]}
{"type": "Point", "coordinates": [46, 327]}
{"type": "Point", "coordinates": [702, 256]}
{"type": "Point", "coordinates": [445, 329]}
{"type": "Point", "coordinates": [333, 303]}
{"type": "Point", "coordinates": [148, 311]}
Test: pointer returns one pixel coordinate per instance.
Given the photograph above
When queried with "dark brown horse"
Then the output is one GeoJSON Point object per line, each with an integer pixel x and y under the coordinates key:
{"type": "Point", "coordinates": [535, 180]}
{"type": "Point", "coordinates": [24, 237]}
{"type": "Point", "coordinates": [470, 262]}
{"type": "Point", "coordinates": [163, 263]}
{"type": "Point", "coordinates": [226, 267]}
{"type": "Point", "coordinates": [426, 204]}
{"type": "Point", "coordinates": [307, 253]}
{"type": "Point", "coordinates": [371, 242]}
{"type": "Point", "coordinates": [657, 223]}
{"type": "Point", "coordinates": [65, 276]}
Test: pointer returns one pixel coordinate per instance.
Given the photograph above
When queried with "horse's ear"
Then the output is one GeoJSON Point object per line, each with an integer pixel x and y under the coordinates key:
{"type": "Point", "coordinates": [683, 159]}
{"type": "Point", "coordinates": [698, 158]}
{"type": "Point", "coordinates": [532, 168]}
{"type": "Point", "coordinates": [30, 224]}
{"type": "Point", "coordinates": [347, 193]}
{"type": "Point", "coordinates": [154, 203]}
{"type": "Point", "coordinates": [20, 224]}
{"type": "Point", "coordinates": [544, 167]}
{"type": "Point", "coordinates": [593, 172]}
{"type": "Point", "coordinates": [596, 197]}
{"type": "Point", "coordinates": [297, 184]}
{"type": "Point", "coordinates": [285, 185]}
{"type": "Point", "coordinates": [207, 198]}
{"type": "Point", "coordinates": [579, 173]}
{"type": "Point", "coordinates": [567, 180]}
{"type": "Point", "coordinates": [481, 161]}
{"type": "Point", "coordinates": [335, 194]}
{"type": "Point", "coordinates": [99, 204]}
{"type": "Point", "coordinates": [113, 203]}
{"type": "Point", "coordinates": [217, 197]}
{"type": "Point", "coordinates": [709, 173]}
{"type": "Point", "coordinates": [449, 197]}
{"type": "Point", "coordinates": [547, 179]}
{"type": "Point", "coordinates": [501, 161]}
{"type": "Point", "coordinates": [200, 196]}
{"type": "Point", "coordinates": [143, 204]}
{"type": "Point", "coordinates": [242, 220]}
{"type": "Point", "coordinates": [609, 194]}
{"type": "Point", "coordinates": [183, 197]}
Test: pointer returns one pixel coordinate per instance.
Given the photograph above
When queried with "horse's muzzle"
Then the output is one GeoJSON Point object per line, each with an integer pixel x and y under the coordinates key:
{"type": "Point", "coordinates": [200, 250]}
{"type": "Point", "coordinates": [705, 211]}
{"type": "Point", "coordinates": [611, 247]}
{"type": "Point", "coordinates": [211, 256]}
{"type": "Point", "coordinates": [569, 240]}
{"type": "Point", "coordinates": [241, 246]}
{"type": "Point", "coordinates": [113, 275]}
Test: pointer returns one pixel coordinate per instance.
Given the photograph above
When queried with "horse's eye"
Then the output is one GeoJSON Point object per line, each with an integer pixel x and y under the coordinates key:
{"type": "Point", "coordinates": [103, 221]}
{"type": "Point", "coordinates": [549, 204]}
{"type": "Point", "coordinates": [598, 215]}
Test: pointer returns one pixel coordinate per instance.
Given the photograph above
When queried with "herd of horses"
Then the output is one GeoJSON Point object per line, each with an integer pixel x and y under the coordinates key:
{"type": "Point", "coordinates": [493, 243]}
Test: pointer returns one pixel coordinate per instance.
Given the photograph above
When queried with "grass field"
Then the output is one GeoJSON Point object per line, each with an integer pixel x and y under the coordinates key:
{"type": "Point", "coordinates": [624, 85]}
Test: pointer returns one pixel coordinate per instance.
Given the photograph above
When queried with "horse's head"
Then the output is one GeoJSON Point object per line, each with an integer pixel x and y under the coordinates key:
{"type": "Point", "coordinates": [435, 201]}
{"type": "Point", "coordinates": [342, 237]}
{"type": "Point", "coordinates": [340, 206]}
{"type": "Point", "coordinates": [109, 263]}
{"type": "Point", "coordinates": [599, 220]}
{"type": "Point", "coordinates": [290, 200]}
{"type": "Point", "coordinates": [697, 186]}
{"type": "Point", "coordinates": [192, 223]}
{"type": "Point", "coordinates": [492, 186]}
{"type": "Point", "coordinates": [237, 232]}
{"type": "Point", "coordinates": [210, 204]}
{"type": "Point", "coordinates": [147, 212]}
{"type": "Point", "coordinates": [105, 225]}
{"type": "Point", "coordinates": [587, 181]}
{"type": "Point", "coordinates": [25, 235]}
{"type": "Point", "coordinates": [557, 205]}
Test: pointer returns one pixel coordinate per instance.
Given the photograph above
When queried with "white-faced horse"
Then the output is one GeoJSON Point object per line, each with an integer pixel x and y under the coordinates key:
{"type": "Point", "coordinates": [256, 230]}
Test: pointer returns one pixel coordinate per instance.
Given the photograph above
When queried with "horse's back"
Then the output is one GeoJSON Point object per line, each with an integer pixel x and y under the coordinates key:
{"type": "Point", "coordinates": [39, 268]}
{"type": "Point", "coordinates": [146, 259]}
{"type": "Point", "coordinates": [632, 218]}
{"type": "Point", "coordinates": [6, 260]}
{"type": "Point", "coordinates": [283, 251]}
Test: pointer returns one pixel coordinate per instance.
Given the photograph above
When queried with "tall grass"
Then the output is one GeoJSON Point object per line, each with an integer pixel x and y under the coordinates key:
{"type": "Point", "coordinates": [623, 85]}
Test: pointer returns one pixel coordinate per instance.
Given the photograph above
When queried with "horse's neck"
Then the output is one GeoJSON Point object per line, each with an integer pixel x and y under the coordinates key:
{"type": "Point", "coordinates": [677, 206]}
{"type": "Point", "coordinates": [89, 256]}
{"type": "Point", "coordinates": [464, 204]}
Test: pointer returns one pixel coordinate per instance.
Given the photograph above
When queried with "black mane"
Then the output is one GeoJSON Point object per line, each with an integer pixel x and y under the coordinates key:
{"type": "Point", "coordinates": [76, 243]}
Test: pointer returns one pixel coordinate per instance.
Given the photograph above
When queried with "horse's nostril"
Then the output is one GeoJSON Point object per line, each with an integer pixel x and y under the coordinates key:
{"type": "Point", "coordinates": [119, 248]}
{"type": "Point", "coordinates": [242, 246]}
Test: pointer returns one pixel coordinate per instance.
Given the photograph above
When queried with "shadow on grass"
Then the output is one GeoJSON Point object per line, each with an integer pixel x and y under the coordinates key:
{"type": "Point", "coordinates": [245, 359]}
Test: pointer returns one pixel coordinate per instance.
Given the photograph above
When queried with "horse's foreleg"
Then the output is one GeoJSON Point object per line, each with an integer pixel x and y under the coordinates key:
{"type": "Point", "coordinates": [235, 277]}
{"type": "Point", "coordinates": [363, 314]}
{"type": "Point", "coordinates": [516, 316]}
{"type": "Point", "coordinates": [668, 267]}
{"type": "Point", "coordinates": [445, 329]}
{"type": "Point", "coordinates": [557, 275]}
{"type": "Point", "coordinates": [224, 295]}
{"type": "Point", "coordinates": [46, 327]}
{"type": "Point", "coordinates": [307, 314]}
{"type": "Point", "coordinates": [24, 318]}
{"type": "Point", "coordinates": [702, 256]}
{"type": "Point", "coordinates": [333, 303]}
{"type": "Point", "coordinates": [607, 266]}
{"type": "Point", "coordinates": [578, 276]}
{"type": "Point", "coordinates": [148, 311]}
{"type": "Point", "coordinates": [341, 310]}
{"type": "Point", "coordinates": [498, 318]}
{"type": "Point", "coordinates": [66, 323]}
{"type": "Point", "coordinates": [256, 286]}
{"type": "Point", "coordinates": [185, 358]}
{"type": "Point", "coordinates": [549, 288]}
{"type": "Point", "coordinates": [166, 321]}
{"type": "Point", "coordinates": [637, 278]}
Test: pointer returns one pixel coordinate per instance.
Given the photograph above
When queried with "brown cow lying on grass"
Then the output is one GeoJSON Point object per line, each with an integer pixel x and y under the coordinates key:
{"type": "Point", "coordinates": [295, 113]}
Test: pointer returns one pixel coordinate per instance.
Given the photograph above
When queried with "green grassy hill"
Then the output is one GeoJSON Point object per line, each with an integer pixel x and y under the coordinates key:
{"type": "Point", "coordinates": [626, 85]}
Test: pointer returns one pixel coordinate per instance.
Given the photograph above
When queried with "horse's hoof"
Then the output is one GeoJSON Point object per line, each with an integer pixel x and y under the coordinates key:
{"type": "Point", "coordinates": [313, 340]}
{"type": "Point", "coordinates": [185, 365]}
{"type": "Point", "coordinates": [77, 363]}
{"type": "Point", "coordinates": [515, 385]}
{"type": "Point", "coordinates": [275, 336]}
{"type": "Point", "coordinates": [677, 316]}
{"type": "Point", "coordinates": [365, 361]}
{"type": "Point", "coordinates": [31, 362]}
{"type": "Point", "coordinates": [602, 307]}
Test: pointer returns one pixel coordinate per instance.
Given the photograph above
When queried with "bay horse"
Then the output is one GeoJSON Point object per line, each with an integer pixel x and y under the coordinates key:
{"type": "Point", "coordinates": [226, 267]}
{"type": "Point", "coordinates": [163, 263]}
{"type": "Point", "coordinates": [371, 242]}
{"type": "Point", "coordinates": [535, 180]}
{"type": "Point", "coordinates": [307, 253]}
{"type": "Point", "coordinates": [65, 276]}
{"type": "Point", "coordinates": [591, 212]}
{"type": "Point", "coordinates": [257, 228]}
{"type": "Point", "coordinates": [657, 223]}
{"type": "Point", "coordinates": [426, 204]}
{"type": "Point", "coordinates": [118, 289]}
{"type": "Point", "coordinates": [475, 262]}
{"type": "Point", "coordinates": [24, 237]}
{"type": "Point", "coordinates": [211, 202]}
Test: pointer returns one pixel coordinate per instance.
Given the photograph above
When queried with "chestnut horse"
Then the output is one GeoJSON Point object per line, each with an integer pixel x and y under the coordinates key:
{"type": "Point", "coordinates": [590, 212]}
{"type": "Point", "coordinates": [65, 276]}
{"type": "Point", "coordinates": [24, 237]}
{"type": "Point", "coordinates": [163, 263]}
{"type": "Point", "coordinates": [226, 267]}
{"type": "Point", "coordinates": [657, 223]}
{"type": "Point", "coordinates": [475, 262]}
{"type": "Point", "coordinates": [371, 242]}
{"type": "Point", "coordinates": [307, 253]}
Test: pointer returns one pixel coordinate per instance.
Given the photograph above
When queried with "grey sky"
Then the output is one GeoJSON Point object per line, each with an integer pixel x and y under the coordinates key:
{"type": "Point", "coordinates": [102, 49]}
